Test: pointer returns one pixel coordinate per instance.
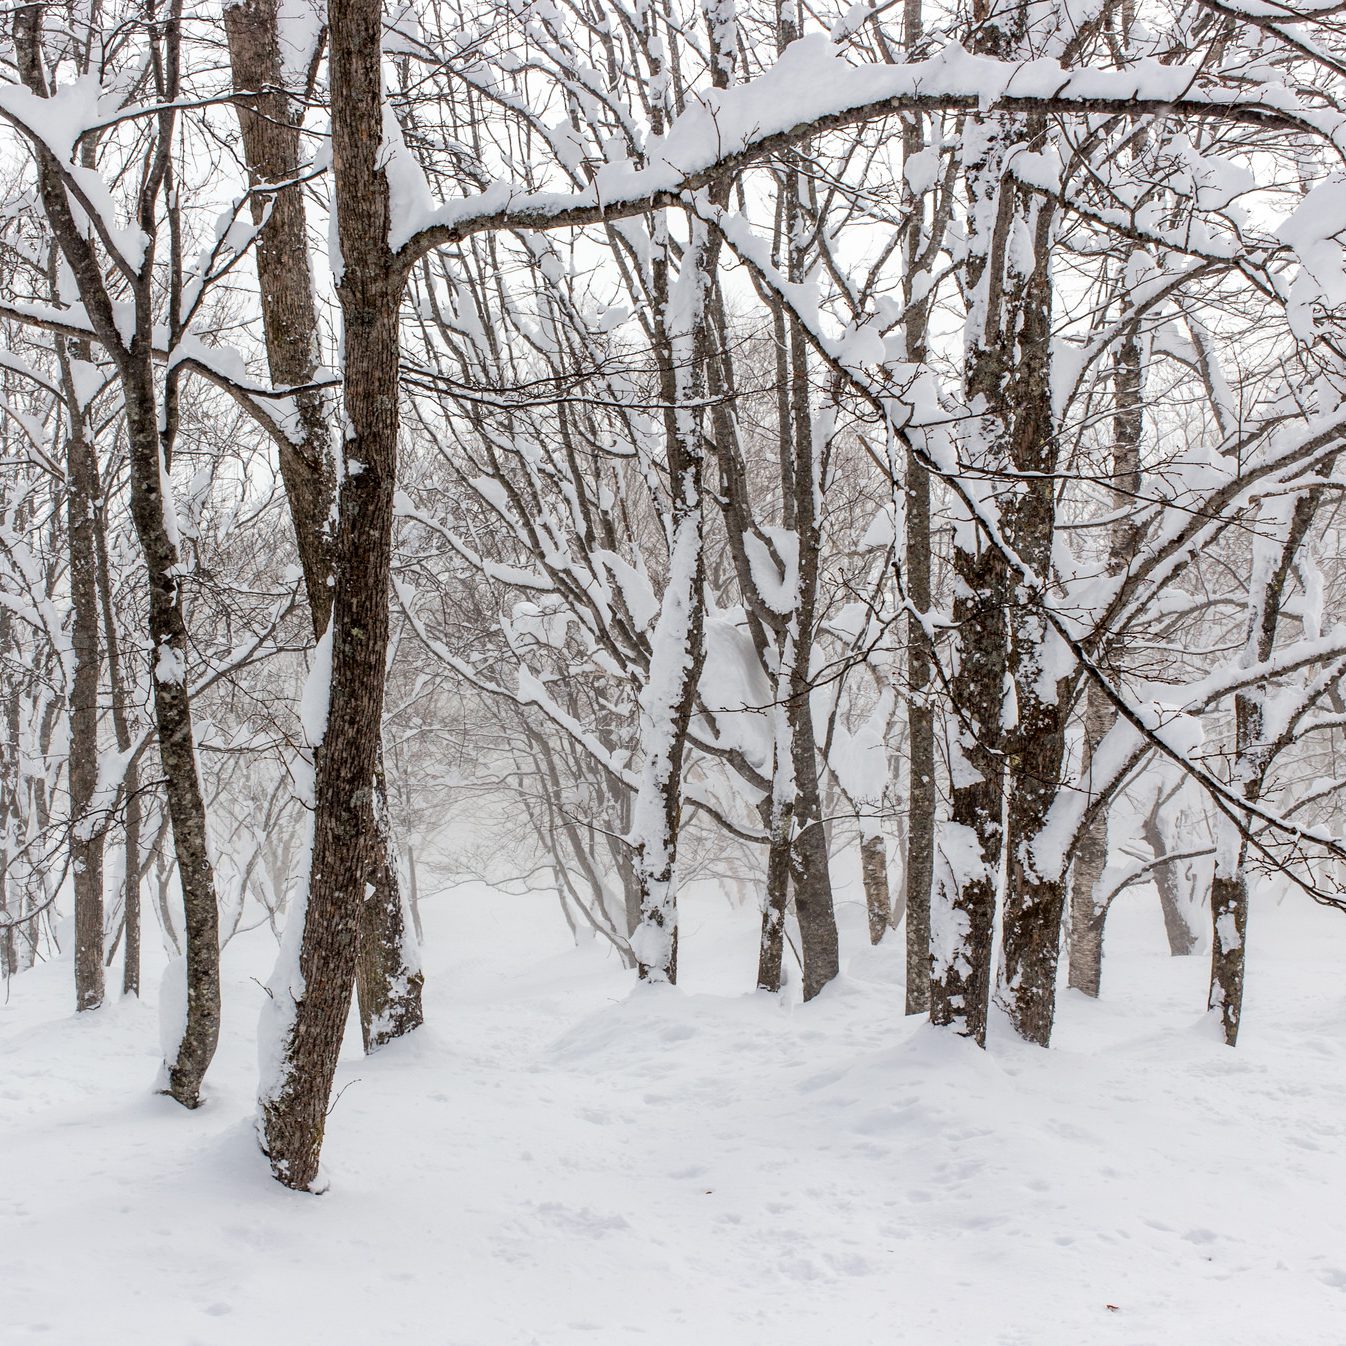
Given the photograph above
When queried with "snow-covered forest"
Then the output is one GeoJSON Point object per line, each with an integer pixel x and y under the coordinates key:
{"type": "Point", "coordinates": [614, 612]}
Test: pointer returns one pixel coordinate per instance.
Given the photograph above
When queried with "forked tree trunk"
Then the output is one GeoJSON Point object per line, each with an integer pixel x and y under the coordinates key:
{"type": "Point", "coordinates": [677, 654]}
{"type": "Point", "coordinates": [388, 978]}
{"type": "Point", "coordinates": [149, 467]}
{"type": "Point", "coordinates": [295, 1099]}
{"type": "Point", "coordinates": [1177, 928]}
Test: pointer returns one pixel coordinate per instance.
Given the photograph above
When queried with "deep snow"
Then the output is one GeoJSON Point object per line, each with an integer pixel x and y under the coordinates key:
{"type": "Point", "coordinates": [557, 1159]}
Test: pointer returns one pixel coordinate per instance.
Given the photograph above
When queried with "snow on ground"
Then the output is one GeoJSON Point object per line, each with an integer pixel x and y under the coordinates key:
{"type": "Point", "coordinates": [559, 1160]}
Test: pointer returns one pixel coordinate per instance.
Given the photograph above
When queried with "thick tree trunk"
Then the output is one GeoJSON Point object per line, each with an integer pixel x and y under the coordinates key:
{"type": "Point", "coordinates": [295, 1101]}
{"type": "Point", "coordinates": [971, 843]}
{"type": "Point", "coordinates": [1035, 895]}
{"type": "Point", "coordinates": [389, 978]}
{"type": "Point", "coordinates": [11, 910]}
{"type": "Point", "coordinates": [1021, 370]}
{"type": "Point", "coordinates": [270, 128]}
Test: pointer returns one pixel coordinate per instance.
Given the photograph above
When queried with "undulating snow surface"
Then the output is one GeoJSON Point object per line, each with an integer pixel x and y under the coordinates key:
{"type": "Point", "coordinates": [558, 1159]}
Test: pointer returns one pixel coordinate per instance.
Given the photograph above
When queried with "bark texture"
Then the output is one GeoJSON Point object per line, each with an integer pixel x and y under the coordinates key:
{"type": "Point", "coordinates": [86, 832]}
{"type": "Point", "coordinates": [922, 790]}
{"type": "Point", "coordinates": [150, 462]}
{"type": "Point", "coordinates": [294, 1109]}
{"type": "Point", "coordinates": [388, 978]}
{"type": "Point", "coordinates": [771, 946]}
{"type": "Point", "coordinates": [1088, 906]}
{"type": "Point", "coordinates": [121, 724]}
{"type": "Point", "coordinates": [1178, 930]}
{"type": "Point", "coordinates": [874, 874]}
{"type": "Point", "coordinates": [1273, 563]}
{"type": "Point", "coordinates": [1088, 910]}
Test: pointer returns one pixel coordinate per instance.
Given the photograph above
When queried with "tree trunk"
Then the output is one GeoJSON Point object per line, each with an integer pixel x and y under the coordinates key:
{"type": "Point", "coordinates": [678, 646]}
{"type": "Point", "coordinates": [812, 875]}
{"type": "Point", "coordinates": [874, 873]}
{"type": "Point", "coordinates": [1181, 936]}
{"type": "Point", "coordinates": [294, 1102]}
{"type": "Point", "coordinates": [1229, 924]}
{"type": "Point", "coordinates": [1086, 943]}
{"type": "Point", "coordinates": [86, 832]}
{"type": "Point", "coordinates": [1021, 369]}
{"type": "Point", "coordinates": [922, 792]}
{"type": "Point", "coordinates": [131, 889]}
{"type": "Point", "coordinates": [971, 843]}
{"type": "Point", "coordinates": [967, 872]}
{"type": "Point", "coordinates": [150, 512]}
{"type": "Point", "coordinates": [1273, 559]}
{"type": "Point", "coordinates": [388, 983]}
{"type": "Point", "coordinates": [1088, 910]}
{"type": "Point", "coordinates": [1088, 913]}
{"type": "Point", "coordinates": [388, 977]}
{"type": "Point", "coordinates": [771, 947]}
{"type": "Point", "coordinates": [131, 785]}
{"type": "Point", "coordinates": [922, 795]}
